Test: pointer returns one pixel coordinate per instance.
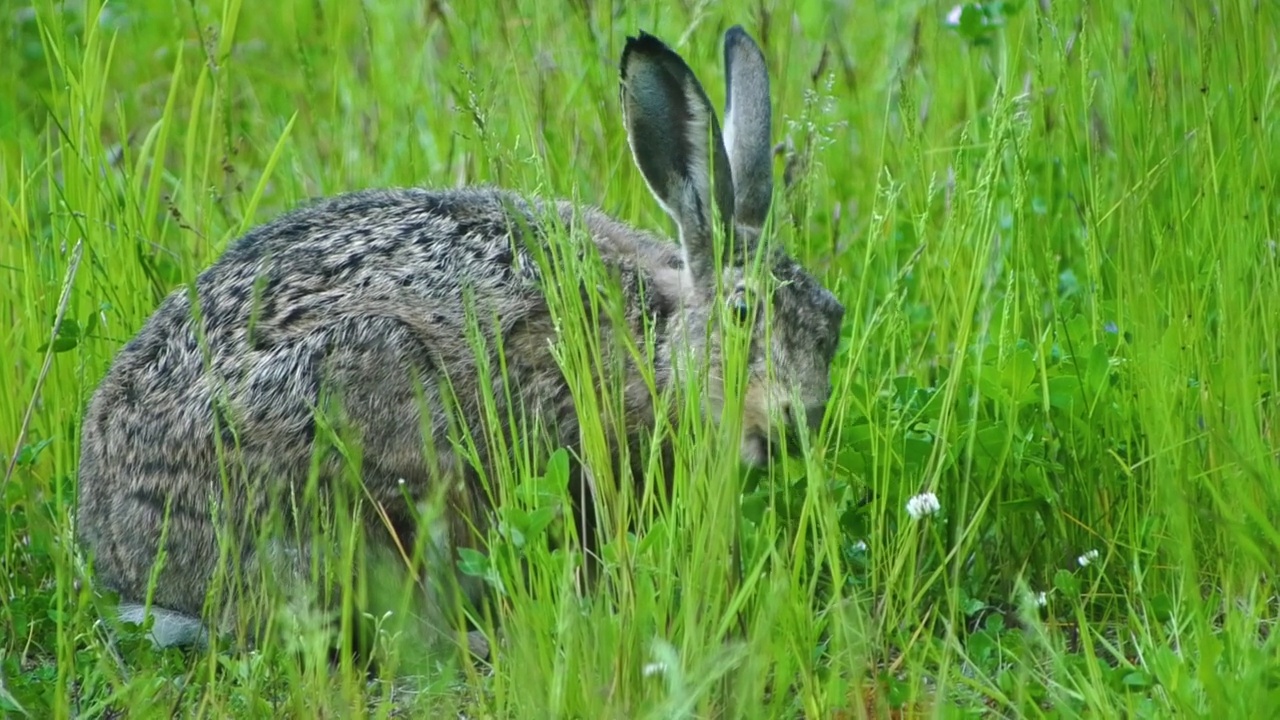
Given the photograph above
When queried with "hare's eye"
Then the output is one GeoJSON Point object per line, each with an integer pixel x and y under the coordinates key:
{"type": "Point", "coordinates": [741, 309]}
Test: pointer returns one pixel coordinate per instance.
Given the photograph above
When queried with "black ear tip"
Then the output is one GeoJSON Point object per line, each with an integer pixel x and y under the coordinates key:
{"type": "Point", "coordinates": [644, 43]}
{"type": "Point", "coordinates": [646, 46]}
{"type": "Point", "coordinates": [737, 35]}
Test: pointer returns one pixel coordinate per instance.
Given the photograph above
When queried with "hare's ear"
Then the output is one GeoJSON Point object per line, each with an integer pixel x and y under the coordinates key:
{"type": "Point", "coordinates": [747, 127]}
{"type": "Point", "coordinates": [676, 141]}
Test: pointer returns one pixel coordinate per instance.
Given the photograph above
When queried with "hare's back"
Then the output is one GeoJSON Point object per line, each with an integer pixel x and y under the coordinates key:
{"type": "Point", "coordinates": [372, 251]}
{"type": "Point", "coordinates": [363, 286]}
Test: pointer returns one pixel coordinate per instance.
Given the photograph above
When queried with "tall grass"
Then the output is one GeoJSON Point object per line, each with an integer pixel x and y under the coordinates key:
{"type": "Point", "coordinates": [1054, 229]}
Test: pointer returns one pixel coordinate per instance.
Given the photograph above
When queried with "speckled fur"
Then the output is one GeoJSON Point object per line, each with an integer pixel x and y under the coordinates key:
{"type": "Point", "coordinates": [363, 295]}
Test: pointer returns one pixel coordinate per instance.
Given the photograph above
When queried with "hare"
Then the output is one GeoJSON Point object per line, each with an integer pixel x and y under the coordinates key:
{"type": "Point", "coordinates": [207, 421]}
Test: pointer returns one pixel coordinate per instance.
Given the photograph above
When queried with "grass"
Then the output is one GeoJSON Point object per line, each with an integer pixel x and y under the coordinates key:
{"type": "Point", "coordinates": [1054, 228]}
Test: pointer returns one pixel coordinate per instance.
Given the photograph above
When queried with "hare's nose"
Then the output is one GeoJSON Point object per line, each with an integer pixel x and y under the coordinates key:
{"type": "Point", "coordinates": [813, 415]}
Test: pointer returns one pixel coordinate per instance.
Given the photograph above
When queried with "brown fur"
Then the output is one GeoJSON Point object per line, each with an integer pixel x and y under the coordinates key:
{"type": "Point", "coordinates": [365, 295]}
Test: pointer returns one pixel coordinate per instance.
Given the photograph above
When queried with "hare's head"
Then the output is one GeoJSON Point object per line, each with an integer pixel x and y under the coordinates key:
{"type": "Point", "coordinates": [718, 188]}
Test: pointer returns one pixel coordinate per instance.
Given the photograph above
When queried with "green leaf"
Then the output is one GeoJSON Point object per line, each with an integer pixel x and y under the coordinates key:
{"type": "Point", "coordinates": [897, 691]}
{"type": "Point", "coordinates": [31, 452]}
{"type": "Point", "coordinates": [1136, 679]}
{"type": "Point", "coordinates": [991, 388]}
{"type": "Point", "coordinates": [971, 606]}
{"type": "Point", "coordinates": [915, 451]}
{"type": "Point", "coordinates": [995, 623]}
{"type": "Point", "coordinates": [512, 526]}
{"type": "Point", "coordinates": [473, 562]}
{"type": "Point", "coordinates": [1018, 373]}
{"type": "Point", "coordinates": [1067, 583]}
{"type": "Point", "coordinates": [858, 435]}
{"type": "Point", "coordinates": [91, 325]}
{"type": "Point", "coordinates": [990, 441]}
{"type": "Point", "coordinates": [537, 521]}
{"type": "Point", "coordinates": [8, 704]}
{"type": "Point", "coordinates": [556, 477]}
{"type": "Point", "coordinates": [930, 402]}
{"type": "Point", "coordinates": [854, 521]}
{"type": "Point", "coordinates": [981, 646]}
{"type": "Point", "coordinates": [1066, 394]}
{"type": "Point", "coordinates": [904, 386]}
{"type": "Point", "coordinates": [1161, 607]}
{"type": "Point", "coordinates": [60, 344]}
{"type": "Point", "coordinates": [1077, 330]}
{"type": "Point", "coordinates": [655, 540]}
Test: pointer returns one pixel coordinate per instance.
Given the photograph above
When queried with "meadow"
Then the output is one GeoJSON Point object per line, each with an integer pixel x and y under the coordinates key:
{"type": "Point", "coordinates": [1054, 229]}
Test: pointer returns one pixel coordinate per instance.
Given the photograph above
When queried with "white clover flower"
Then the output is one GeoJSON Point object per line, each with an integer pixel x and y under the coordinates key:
{"type": "Point", "coordinates": [1040, 599]}
{"type": "Point", "coordinates": [860, 546]}
{"type": "Point", "coordinates": [1087, 558]}
{"type": "Point", "coordinates": [922, 505]}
